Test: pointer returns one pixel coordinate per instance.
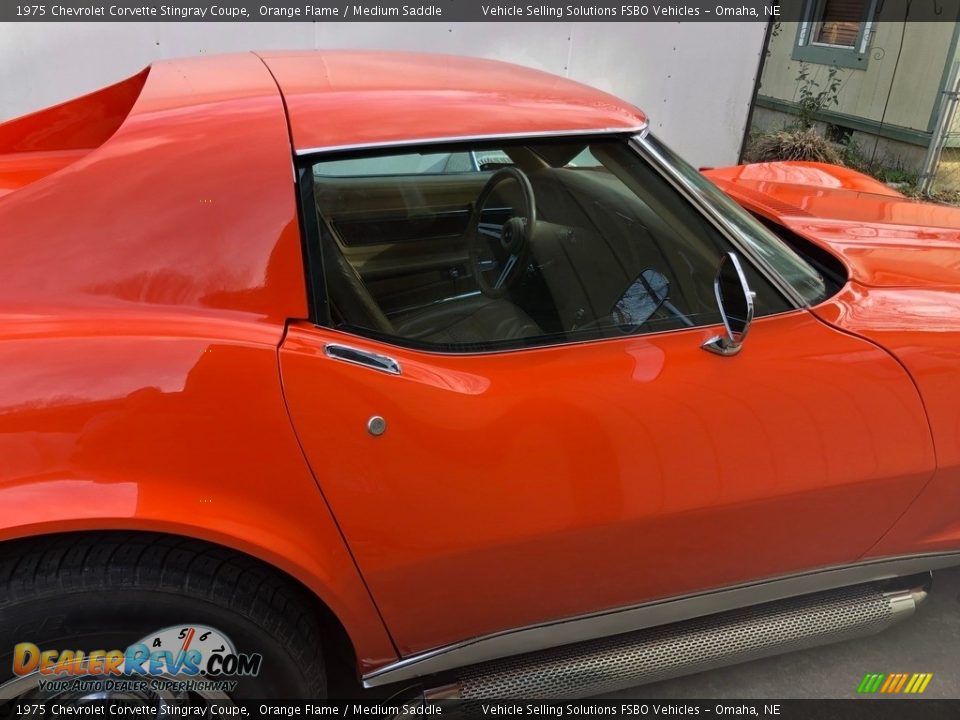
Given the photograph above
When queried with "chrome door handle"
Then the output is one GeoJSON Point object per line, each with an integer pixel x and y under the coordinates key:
{"type": "Point", "coordinates": [362, 357]}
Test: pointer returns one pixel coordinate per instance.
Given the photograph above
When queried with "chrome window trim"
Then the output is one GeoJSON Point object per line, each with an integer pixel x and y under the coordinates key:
{"type": "Point", "coordinates": [716, 217]}
{"type": "Point", "coordinates": [636, 131]}
{"type": "Point", "coordinates": [353, 334]}
{"type": "Point", "coordinates": [651, 614]}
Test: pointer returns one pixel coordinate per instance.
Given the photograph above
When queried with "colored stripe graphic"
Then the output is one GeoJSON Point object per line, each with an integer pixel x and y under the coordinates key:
{"type": "Point", "coordinates": [907, 683]}
{"type": "Point", "coordinates": [870, 683]}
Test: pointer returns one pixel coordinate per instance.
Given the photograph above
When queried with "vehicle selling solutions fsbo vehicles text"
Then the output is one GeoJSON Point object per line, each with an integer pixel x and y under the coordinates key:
{"type": "Point", "coordinates": [572, 11]}
{"type": "Point", "coordinates": [626, 11]}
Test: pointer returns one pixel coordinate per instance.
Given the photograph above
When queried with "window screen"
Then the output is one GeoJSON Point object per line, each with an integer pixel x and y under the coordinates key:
{"type": "Point", "coordinates": [839, 22]}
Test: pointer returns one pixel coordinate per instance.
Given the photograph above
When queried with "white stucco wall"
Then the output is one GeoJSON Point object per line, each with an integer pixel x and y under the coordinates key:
{"type": "Point", "coordinates": [694, 80]}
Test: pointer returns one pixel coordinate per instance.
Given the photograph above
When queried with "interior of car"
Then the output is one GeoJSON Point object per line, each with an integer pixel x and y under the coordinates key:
{"type": "Point", "coordinates": [470, 248]}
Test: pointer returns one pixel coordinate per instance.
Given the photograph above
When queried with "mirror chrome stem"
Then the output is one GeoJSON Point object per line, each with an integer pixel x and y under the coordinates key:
{"type": "Point", "coordinates": [735, 302]}
{"type": "Point", "coordinates": [722, 345]}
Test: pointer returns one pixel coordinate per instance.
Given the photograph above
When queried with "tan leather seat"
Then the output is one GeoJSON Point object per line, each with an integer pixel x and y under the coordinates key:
{"type": "Point", "coordinates": [472, 320]}
{"type": "Point", "coordinates": [349, 295]}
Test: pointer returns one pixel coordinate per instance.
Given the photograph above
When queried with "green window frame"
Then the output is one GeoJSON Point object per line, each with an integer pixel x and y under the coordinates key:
{"type": "Point", "coordinates": [807, 49]}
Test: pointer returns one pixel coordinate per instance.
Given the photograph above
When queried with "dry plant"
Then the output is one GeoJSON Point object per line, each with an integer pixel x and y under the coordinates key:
{"type": "Point", "coordinates": [793, 145]}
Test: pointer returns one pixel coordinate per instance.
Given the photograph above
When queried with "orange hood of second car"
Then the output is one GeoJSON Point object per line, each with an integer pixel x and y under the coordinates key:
{"type": "Point", "coordinates": [883, 238]}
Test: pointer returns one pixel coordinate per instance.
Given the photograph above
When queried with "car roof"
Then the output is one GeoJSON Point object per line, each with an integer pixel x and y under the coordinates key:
{"type": "Point", "coordinates": [346, 98]}
{"type": "Point", "coordinates": [338, 99]}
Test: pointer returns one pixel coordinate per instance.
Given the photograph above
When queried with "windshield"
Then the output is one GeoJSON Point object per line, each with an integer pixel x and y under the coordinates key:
{"type": "Point", "coordinates": [780, 258]}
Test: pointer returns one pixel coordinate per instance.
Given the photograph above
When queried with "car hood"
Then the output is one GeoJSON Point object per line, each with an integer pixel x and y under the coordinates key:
{"type": "Point", "coordinates": [883, 238]}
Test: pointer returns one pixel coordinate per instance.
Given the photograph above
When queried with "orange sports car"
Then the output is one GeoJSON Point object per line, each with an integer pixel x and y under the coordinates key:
{"type": "Point", "coordinates": [450, 373]}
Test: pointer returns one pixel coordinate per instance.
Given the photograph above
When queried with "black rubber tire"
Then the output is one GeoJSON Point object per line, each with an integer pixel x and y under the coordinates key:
{"type": "Point", "coordinates": [108, 591]}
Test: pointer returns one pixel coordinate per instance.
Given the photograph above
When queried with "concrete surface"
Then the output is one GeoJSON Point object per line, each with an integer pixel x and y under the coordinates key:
{"type": "Point", "coordinates": [927, 642]}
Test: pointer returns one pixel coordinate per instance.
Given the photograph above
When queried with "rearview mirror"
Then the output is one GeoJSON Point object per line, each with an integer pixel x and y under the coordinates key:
{"type": "Point", "coordinates": [657, 286]}
{"type": "Point", "coordinates": [735, 301]}
{"type": "Point", "coordinates": [642, 299]}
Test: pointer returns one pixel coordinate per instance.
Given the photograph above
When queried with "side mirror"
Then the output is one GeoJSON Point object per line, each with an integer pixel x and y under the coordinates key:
{"type": "Point", "coordinates": [735, 301]}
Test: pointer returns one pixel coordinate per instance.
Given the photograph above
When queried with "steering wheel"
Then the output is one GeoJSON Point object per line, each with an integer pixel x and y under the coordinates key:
{"type": "Point", "coordinates": [511, 239]}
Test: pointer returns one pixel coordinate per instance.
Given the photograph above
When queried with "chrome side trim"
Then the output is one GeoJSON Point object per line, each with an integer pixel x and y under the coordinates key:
{"type": "Point", "coordinates": [716, 218]}
{"type": "Point", "coordinates": [356, 356]}
{"type": "Point", "coordinates": [651, 614]}
{"type": "Point", "coordinates": [638, 130]}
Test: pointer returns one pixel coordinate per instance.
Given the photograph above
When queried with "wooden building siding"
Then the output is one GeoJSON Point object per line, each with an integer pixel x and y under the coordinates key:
{"type": "Point", "coordinates": [914, 90]}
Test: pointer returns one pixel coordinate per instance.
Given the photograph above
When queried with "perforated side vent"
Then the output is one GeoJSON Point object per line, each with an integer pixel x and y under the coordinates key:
{"type": "Point", "coordinates": [646, 656]}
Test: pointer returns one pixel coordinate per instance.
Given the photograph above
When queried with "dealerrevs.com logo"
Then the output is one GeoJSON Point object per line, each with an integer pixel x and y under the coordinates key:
{"type": "Point", "coordinates": [181, 658]}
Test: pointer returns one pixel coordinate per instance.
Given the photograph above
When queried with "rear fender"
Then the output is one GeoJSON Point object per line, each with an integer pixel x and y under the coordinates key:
{"type": "Point", "coordinates": [186, 435]}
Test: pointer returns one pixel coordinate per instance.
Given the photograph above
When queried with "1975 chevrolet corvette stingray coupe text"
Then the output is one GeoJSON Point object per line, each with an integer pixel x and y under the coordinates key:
{"type": "Point", "coordinates": [450, 372]}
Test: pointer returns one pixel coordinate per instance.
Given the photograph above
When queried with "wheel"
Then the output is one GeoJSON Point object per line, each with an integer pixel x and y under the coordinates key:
{"type": "Point", "coordinates": [154, 593]}
{"type": "Point", "coordinates": [506, 255]}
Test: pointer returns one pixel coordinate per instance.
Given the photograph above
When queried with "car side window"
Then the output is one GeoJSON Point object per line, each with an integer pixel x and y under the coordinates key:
{"type": "Point", "coordinates": [537, 243]}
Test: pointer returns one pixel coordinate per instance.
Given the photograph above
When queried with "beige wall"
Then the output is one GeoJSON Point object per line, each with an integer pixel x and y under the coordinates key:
{"type": "Point", "coordinates": [697, 96]}
{"type": "Point", "coordinates": [913, 89]}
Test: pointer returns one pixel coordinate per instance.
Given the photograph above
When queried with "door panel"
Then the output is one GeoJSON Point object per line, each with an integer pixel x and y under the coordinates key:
{"type": "Point", "coordinates": [407, 235]}
{"type": "Point", "coordinates": [382, 220]}
{"type": "Point", "coordinates": [345, 197]}
{"type": "Point", "coordinates": [516, 488]}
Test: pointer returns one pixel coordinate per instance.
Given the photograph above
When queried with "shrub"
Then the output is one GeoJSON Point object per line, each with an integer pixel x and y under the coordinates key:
{"type": "Point", "coordinates": [793, 145]}
{"type": "Point", "coordinates": [813, 98]}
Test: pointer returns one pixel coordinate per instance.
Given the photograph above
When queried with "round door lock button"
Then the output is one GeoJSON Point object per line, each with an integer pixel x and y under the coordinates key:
{"type": "Point", "coordinates": [376, 425]}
